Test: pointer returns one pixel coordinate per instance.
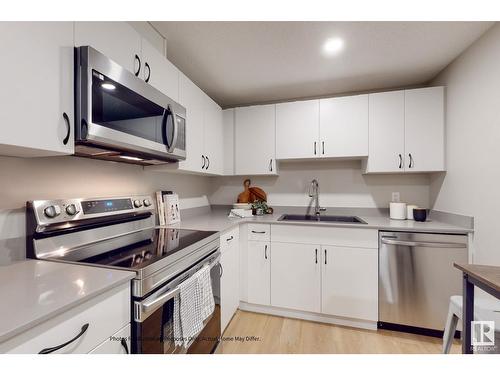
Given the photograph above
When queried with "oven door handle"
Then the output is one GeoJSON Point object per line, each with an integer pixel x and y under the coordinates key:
{"type": "Point", "coordinates": [145, 308]}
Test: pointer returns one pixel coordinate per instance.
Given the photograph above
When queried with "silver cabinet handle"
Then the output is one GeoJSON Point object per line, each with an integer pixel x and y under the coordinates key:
{"type": "Point", "coordinates": [400, 161]}
{"type": "Point", "coordinates": [412, 164]}
{"type": "Point", "coordinates": [323, 147]}
{"type": "Point", "coordinates": [271, 165]}
{"type": "Point", "coordinates": [259, 232]}
{"type": "Point", "coordinates": [314, 148]}
{"type": "Point", "coordinates": [316, 256]}
{"type": "Point", "coordinates": [325, 256]}
{"type": "Point", "coordinates": [265, 251]}
{"type": "Point", "coordinates": [208, 162]}
{"type": "Point", "coordinates": [203, 158]}
{"type": "Point", "coordinates": [448, 245]}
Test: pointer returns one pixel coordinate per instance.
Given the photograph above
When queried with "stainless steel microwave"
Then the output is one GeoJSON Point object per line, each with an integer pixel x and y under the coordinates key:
{"type": "Point", "coordinates": [121, 117]}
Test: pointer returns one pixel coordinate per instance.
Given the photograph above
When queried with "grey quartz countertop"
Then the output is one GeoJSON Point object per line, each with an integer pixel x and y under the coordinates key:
{"type": "Point", "coordinates": [33, 291]}
{"type": "Point", "coordinates": [217, 220]}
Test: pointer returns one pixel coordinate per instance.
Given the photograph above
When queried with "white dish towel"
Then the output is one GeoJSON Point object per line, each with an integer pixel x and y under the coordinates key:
{"type": "Point", "coordinates": [193, 304]}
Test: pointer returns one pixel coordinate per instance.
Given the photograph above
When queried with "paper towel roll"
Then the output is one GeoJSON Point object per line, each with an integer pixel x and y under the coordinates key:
{"type": "Point", "coordinates": [397, 210]}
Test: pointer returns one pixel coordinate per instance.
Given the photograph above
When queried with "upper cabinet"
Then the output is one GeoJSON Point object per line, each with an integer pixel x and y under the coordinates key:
{"type": "Point", "coordinates": [343, 126]}
{"type": "Point", "coordinates": [326, 128]}
{"type": "Point", "coordinates": [214, 137]}
{"type": "Point", "coordinates": [254, 134]}
{"type": "Point", "coordinates": [228, 128]}
{"type": "Point", "coordinates": [406, 131]}
{"type": "Point", "coordinates": [37, 88]}
{"type": "Point", "coordinates": [117, 40]}
{"type": "Point", "coordinates": [424, 129]}
{"type": "Point", "coordinates": [297, 130]}
{"type": "Point", "coordinates": [159, 72]}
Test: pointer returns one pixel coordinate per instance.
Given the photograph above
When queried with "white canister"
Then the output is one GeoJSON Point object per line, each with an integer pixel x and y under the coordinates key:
{"type": "Point", "coordinates": [409, 211]}
{"type": "Point", "coordinates": [397, 210]}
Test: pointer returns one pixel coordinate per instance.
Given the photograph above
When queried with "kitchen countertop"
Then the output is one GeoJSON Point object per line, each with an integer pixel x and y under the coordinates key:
{"type": "Point", "coordinates": [35, 291]}
{"type": "Point", "coordinates": [216, 220]}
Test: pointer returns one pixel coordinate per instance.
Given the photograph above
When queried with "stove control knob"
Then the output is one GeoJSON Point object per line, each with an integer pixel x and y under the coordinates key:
{"type": "Point", "coordinates": [147, 203]}
{"type": "Point", "coordinates": [71, 209]}
{"type": "Point", "coordinates": [137, 203]}
{"type": "Point", "coordinates": [52, 211]}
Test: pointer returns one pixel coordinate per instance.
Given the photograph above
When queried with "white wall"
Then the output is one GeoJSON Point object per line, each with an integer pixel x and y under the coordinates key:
{"type": "Point", "coordinates": [341, 185]}
{"type": "Point", "coordinates": [471, 184]}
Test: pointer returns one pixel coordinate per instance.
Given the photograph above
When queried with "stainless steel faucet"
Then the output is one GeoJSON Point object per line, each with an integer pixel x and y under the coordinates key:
{"type": "Point", "coordinates": [314, 193]}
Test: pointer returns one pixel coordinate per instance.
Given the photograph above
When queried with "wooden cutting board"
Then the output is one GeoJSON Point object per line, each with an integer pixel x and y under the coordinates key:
{"type": "Point", "coordinates": [251, 194]}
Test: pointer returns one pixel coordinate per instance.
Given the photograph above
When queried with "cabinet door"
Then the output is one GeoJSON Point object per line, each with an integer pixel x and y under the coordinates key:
{"type": "Point", "coordinates": [228, 129]}
{"type": "Point", "coordinates": [349, 284]}
{"type": "Point", "coordinates": [297, 130]}
{"type": "Point", "coordinates": [259, 272]}
{"type": "Point", "coordinates": [159, 72]}
{"type": "Point", "coordinates": [386, 132]}
{"type": "Point", "coordinates": [230, 288]}
{"type": "Point", "coordinates": [37, 88]}
{"type": "Point", "coordinates": [192, 98]}
{"type": "Point", "coordinates": [344, 126]}
{"type": "Point", "coordinates": [117, 40]}
{"type": "Point", "coordinates": [296, 276]}
{"type": "Point", "coordinates": [424, 129]}
{"type": "Point", "coordinates": [214, 137]}
{"type": "Point", "coordinates": [118, 343]}
{"type": "Point", "coordinates": [255, 140]}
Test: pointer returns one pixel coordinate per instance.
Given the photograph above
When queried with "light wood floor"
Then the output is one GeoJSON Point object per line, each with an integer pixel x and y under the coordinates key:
{"type": "Point", "coordinates": [277, 335]}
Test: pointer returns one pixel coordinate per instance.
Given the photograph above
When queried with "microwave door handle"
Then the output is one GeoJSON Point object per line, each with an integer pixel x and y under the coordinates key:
{"type": "Point", "coordinates": [176, 131]}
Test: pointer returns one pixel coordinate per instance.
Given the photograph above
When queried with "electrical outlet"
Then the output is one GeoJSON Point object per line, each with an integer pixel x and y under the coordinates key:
{"type": "Point", "coordinates": [395, 196]}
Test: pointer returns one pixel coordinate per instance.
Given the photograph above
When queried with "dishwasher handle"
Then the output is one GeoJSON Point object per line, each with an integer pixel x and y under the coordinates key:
{"type": "Point", "coordinates": [448, 245]}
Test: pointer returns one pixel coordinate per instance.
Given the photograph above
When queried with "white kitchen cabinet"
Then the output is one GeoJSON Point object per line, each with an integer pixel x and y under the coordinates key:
{"type": "Point", "coordinates": [424, 129]}
{"type": "Point", "coordinates": [349, 282]}
{"type": "Point", "coordinates": [117, 40]}
{"type": "Point", "coordinates": [297, 130]}
{"type": "Point", "coordinates": [230, 288]}
{"type": "Point", "coordinates": [386, 132]}
{"type": "Point", "coordinates": [343, 126]}
{"type": "Point", "coordinates": [37, 88]}
{"type": "Point", "coordinates": [296, 276]}
{"type": "Point", "coordinates": [103, 316]}
{"type": "Point", "coordinates": [406, 131]}
{"type": "Point", "coordinates": [228, 129]}
{"type": "Point", "coordinates": [117, 343]}
{"type": "Point", "coordinates": [258, 264]}
{"type": "Point", "coordinates": [255, 140]}
{"type": "Point", "coordinates": [214, 137]}
{"type": "Point", "coordinates": [158, 71]}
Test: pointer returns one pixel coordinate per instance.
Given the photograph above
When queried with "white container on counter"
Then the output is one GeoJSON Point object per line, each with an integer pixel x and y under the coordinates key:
{"type": "Point", "coordinates": [409, 211]}
{"type": "Point", "coordinates": [397, 210]}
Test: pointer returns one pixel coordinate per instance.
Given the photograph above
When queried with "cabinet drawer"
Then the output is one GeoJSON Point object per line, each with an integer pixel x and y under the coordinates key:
{"type": "Point", "coordinates": [104, 314]}
{"type": "Point", "coordinates": [117, 343]}
{"type": "Point", "coordinates": [351, 237]}
{"type": "Point", "coordinates": [259, 232]}
{"type": "Point", "coordinates": [229, 240]}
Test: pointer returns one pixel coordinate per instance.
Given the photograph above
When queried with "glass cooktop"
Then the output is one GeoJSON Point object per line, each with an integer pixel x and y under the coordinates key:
{"type": "Point", "coordinates": [146, 247]}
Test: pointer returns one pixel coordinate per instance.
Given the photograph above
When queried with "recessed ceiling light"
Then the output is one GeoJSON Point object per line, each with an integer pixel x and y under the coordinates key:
{"type": "Point", "coordinates": [333, 46]}
{"type": "Point", "coordinates": [108, 86]}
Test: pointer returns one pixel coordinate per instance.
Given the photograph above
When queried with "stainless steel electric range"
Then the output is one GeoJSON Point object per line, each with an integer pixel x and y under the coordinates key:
{"type": "Point", "coordinates": [120, 233]}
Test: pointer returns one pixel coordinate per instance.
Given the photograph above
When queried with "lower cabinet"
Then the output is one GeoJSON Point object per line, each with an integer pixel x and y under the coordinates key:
{"type": "Point", "coordinates": [259, 272]}
{"type": "Point", "coordinates": [349, 280]}
{"type": "Point", "coordinates": [79, 330]}
{"type": "Point", "coordinates": [296, 276]}
{"type": "Point", "coordinates": [230, 288]}
{"type": "Point", "coordinates": [118, 343]}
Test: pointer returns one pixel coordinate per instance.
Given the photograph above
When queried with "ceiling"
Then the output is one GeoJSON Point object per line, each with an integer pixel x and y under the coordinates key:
{"type": "Point", "coordinates": [239, 63]}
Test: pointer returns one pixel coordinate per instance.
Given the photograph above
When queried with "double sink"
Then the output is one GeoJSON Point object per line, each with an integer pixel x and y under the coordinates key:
{"type": "Point", "coordinates": [322, 218]}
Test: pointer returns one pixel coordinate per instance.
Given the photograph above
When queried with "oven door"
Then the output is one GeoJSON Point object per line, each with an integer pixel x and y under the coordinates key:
{"type": "Point", "coordinates": [153, 326]}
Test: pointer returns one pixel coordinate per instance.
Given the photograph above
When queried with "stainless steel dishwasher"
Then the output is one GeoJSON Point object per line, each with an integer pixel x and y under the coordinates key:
{"type": "Point", "coordinates": [417, 278]}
